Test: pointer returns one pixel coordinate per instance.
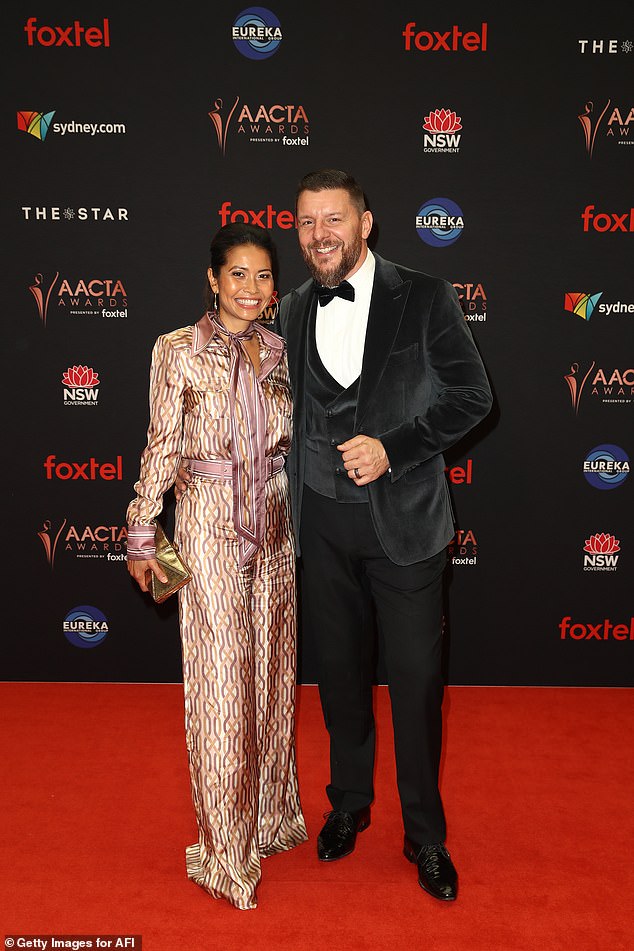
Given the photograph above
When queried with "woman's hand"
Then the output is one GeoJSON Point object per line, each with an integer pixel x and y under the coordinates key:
{"type": "Point", "coordinates": [142, 570]}
{"type": "Point", "coordinates": [182, 478]}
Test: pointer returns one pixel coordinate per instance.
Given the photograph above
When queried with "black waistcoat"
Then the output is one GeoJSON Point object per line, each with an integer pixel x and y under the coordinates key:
{"type": "Point", "coordinates": [330, 413]}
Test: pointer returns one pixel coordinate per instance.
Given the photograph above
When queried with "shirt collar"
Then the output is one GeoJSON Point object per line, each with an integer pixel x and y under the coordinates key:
{"type": "Point", "coordinates": [363, 278]}
{"type": "Point", "coordinates": [204, 331]}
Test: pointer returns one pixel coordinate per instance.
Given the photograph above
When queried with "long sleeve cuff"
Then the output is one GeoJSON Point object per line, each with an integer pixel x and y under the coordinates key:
{"type": "Point", "coordinates": [141, 544]}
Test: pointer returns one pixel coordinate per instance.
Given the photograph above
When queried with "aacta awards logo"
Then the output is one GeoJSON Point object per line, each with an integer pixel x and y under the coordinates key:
{"type": "Point", "coordinates": [600, 552]}
{"type": "Point", "coordinates": [441, 131]}
{"type": "Point", "coordinates": [463, 548]}
{"type": "Point", "coordinates": [606, 466]}
{"type": "Point", "coordinates": [101, 542]}
{"type": "Point", "coordinates": [50, 539]}
{"type": "Point", "coordinates": [41, 291]}
{"type": "Point", "coordinates": [449, 41]}
{"type": "Point", "coordinates": [576, 380]}
{"type": "Point", "coordinates": [80, 297]}
{"type": "Point", "coordinates": [473, 300]}
{"type": "Point", "coordinates": [439, 222]}
{"type": "Point", "coordinates": [85, 626]}
{"type": "Point", "coordinates": [73, 35]}
{"type": "Point", "coordinates": [612, 386]}
{"type": "Point", "coordinates": [616, 127]}
{"type": "Point", "coordinates": [80, 386]}
{"type": "Point", "coordinates": [256, 33]}
{"type": "Point", "coordinates": [276, 124]}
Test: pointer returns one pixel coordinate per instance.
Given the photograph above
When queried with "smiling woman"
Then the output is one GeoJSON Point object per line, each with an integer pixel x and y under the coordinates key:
{"type": "Point", "coordinates": [243, 286]}
{"type": "Point", "coordinates": [220, 398]}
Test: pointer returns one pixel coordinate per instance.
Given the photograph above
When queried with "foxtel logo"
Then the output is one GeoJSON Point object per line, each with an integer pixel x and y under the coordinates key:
{"type": "Point", "coordinates": [607, 221]}
{"type": "Point", "coordinates": [450, 41]}
{"type": "Point", "coordinates": [264, 217]}
{"type": "Point", "coordinates": [90, 471]}
{"type": "Point", "coordinates": [603, 631]}
{"type": "Point", "coordinates": [74, 35]}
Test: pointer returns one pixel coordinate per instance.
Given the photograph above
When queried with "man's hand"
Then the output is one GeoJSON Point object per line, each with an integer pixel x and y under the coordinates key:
{"type": "Point", "coordinates": [364, 458]}
{"type": "Point", "coordinates": [180, 484]}
{"type": "Point", "coordinates": [142, 570]}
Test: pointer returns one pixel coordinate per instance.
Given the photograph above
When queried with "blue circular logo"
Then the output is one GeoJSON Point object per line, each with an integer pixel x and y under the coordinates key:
{"type": "Point", "coordinates": [439, 222]}
{"type": "Point", "coordinates": [85, 626]}
{"type": "Point", "coordinates": [606, 466]}
{"type": "Point", "coordinates": [257, 33]}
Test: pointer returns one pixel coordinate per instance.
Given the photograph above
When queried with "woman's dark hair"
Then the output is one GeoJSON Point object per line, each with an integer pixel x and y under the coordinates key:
{"type": "Point", "coordinates": [232, 236]}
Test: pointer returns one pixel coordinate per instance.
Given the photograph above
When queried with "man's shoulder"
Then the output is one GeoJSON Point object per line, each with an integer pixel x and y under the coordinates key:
{"type": "Point", "coordinates": [295, 292]}
{"type": "Point", "coordinates": [390, 269]}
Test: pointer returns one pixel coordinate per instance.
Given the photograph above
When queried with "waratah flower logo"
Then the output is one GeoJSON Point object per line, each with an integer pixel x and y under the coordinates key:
{"type": "Point", "coordinates": [442, 120]}
{"type": "Point", "coordinates": [80, 376]}
{"type": "Point", "coordinates": [602, 544]}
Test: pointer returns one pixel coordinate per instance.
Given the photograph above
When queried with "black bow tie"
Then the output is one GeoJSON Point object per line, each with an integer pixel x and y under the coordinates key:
{"type": "Point", "coordinates": [326, 294]}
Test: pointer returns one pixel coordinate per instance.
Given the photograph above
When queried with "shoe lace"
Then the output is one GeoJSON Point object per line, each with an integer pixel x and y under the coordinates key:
{"type": "Point", "coordinates": [339, 823]}
{"type": "Point", "coordinates": [430, 855]}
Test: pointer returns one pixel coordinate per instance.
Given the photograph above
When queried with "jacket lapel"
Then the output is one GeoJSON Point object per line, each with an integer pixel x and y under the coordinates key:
{"type": "Point", "coordinates": [387, 305]}
{"type": "Point", "coordinates": [295, 331]}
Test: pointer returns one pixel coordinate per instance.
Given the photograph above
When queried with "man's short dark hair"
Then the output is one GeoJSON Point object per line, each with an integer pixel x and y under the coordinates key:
{"type": "Point", "coordinates": [329, 179]}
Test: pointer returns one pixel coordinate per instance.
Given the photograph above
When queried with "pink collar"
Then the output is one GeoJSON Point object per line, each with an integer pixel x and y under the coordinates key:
{"type": "Point", "coordinates": [204, 331]}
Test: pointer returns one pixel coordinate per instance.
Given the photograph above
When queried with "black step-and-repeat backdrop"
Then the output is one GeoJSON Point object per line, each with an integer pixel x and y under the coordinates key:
{"type": "Point", "coordinates": [496, 148]}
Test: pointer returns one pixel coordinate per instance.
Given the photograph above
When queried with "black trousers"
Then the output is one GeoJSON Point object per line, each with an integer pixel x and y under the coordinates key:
{"type": "Point", "coordinates": [341, 561]}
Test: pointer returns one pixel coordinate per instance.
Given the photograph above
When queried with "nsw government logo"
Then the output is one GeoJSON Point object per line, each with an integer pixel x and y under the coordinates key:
{"type": "Point", "coordinates": [85, 626]}
{"type": "Point", "coordinates": [441, 128]}
{"type": "Point", "coordinates": [606, 466]}
{"type": "Point", "coordinates": [600, 552]}
{"type": "Point", "coordinates": [256, 33]}
{"type": "Point", "coordinates": [439, 222]}
{"type": "Point", "coordinates": [80, 386]}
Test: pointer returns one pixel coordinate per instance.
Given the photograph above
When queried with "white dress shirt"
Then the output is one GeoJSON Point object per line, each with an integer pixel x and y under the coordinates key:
{"type": "Point", "coordinates": [341, 325]}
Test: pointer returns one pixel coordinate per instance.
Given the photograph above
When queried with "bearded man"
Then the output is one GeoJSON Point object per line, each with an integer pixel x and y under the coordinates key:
{"type": "Point", "coordinates": [385, 377]}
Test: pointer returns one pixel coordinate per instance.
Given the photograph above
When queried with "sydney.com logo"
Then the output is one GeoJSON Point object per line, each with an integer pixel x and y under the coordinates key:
{"type": "Point", "coordinates": [38, 124]}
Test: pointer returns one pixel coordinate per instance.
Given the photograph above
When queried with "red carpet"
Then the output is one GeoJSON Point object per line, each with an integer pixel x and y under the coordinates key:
{"type": "Point", "coordinates": [538, 786]}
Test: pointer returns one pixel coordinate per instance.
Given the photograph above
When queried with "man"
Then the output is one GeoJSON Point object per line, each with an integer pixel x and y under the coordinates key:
{"type": "Point", "coordinates": [382, 384]}
{"type": "Point", "coordinates": [385, 377]}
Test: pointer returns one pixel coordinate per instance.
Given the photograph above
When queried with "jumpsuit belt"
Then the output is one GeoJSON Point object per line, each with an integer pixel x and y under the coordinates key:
{"type": "Point", "coordinates": [221, 468]}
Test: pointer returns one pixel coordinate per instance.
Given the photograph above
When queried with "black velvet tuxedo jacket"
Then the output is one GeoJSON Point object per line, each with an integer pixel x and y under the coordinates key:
{"type": "Point", "coordinates": [423, 386]}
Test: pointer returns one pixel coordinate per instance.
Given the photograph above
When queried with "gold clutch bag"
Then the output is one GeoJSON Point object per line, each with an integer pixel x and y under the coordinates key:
{"type": "Point", "coordinates": [178, 574]}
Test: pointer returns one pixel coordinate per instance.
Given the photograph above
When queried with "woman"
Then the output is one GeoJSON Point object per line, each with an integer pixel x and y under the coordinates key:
{"type": "Point", "coordinates": [220, 398]}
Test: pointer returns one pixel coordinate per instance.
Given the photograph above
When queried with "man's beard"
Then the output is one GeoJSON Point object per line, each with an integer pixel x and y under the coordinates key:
{"type": "Point", "coordinates": [331, 276]}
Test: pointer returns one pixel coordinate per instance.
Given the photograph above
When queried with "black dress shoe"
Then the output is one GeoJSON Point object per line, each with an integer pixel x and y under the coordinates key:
{"type": "Point", "coordinates": [339, 834]}
{"type": "Point", "coordinates": [436, 872]}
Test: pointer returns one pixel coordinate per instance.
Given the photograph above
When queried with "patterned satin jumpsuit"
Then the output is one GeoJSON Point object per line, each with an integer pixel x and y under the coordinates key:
{"type": "Point", "coordinates": [237, 623]}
